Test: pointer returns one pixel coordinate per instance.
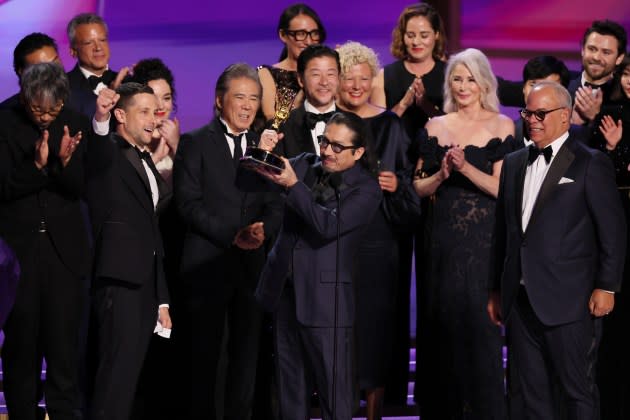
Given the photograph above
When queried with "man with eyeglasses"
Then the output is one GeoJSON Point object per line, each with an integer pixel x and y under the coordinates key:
{"type": "Point", "coordinates": [41, 183]}
{"type": "Point", "coordinates": [308, 278]}
{"type": "Point", "coordinates": [559, 247]}
{"type": "Point", "coordinates": [318, 74]}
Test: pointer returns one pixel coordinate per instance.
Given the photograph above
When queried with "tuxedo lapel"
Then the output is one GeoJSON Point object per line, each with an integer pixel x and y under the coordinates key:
{"type": "Point", "coordinates": [133, 170]}
{"type": "Point", "coordinates": [521, 169]}
{"type": "Point", "coordinates": [558, 168]}
{"type": "Point", "coordinates": [219, 149]}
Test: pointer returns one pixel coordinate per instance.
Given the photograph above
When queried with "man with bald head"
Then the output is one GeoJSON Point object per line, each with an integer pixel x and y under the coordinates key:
{"type": "Point", "coordinates": [559, 247]}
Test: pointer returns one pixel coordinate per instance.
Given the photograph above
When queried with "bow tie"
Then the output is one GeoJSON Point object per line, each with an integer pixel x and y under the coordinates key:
{"type": "Point", "coordinates": [143, 154]}
{"type": "Point", "coordinates": [592, 85]}
{"type": "Point", "coordinates": [313, 118]}
{"type": "Point", "coordinates": [534, 152]}
{"type": "Point", "coordinates": [106, 79]}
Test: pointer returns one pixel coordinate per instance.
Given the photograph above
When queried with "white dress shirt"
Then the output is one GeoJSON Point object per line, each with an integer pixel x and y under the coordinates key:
{"type": "Point", "coordinates": [230, 140]}
{"type": "Point", "coordinates": [534, 176]}
{"type": "Point", "coordinates": [318, 130]}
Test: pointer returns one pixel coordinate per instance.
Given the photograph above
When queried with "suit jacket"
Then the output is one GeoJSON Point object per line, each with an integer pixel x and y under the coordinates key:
{"type": "Point", "coordinates": [82, 98]}
{"type": "Point", "coordinates": [128, 244]}
{"type": "Point", "coordinates": [574, 242]}
{"type": "Point", "coordinates": [307, 244]}
{"type": "Point", "coordinates": [29, 196]}
{"type": "Point", "coordinates": [215, 200]}
{"type": "Point", "coordinates": [297, 136]}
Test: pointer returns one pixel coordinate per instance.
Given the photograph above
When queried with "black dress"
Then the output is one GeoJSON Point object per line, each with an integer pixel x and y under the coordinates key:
{"type": "Point", "coordinates": [463, 360]}
{"type": "Point", "coordinates": [377, 259]}
{"type": "Point", "coordinates": [397, 80]}
{"type": "Point", "coordinates": [613, 360]}
{"type": "Point", "coordinates": [281, 78]}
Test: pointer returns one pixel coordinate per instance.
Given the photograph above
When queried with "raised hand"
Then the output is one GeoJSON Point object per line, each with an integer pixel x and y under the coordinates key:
{"type": "Point", "coordinates": [588, 102]}
{"type": "Point", "coordinates": [612, 131]}
{"type": "Point", "coordinates": [269, 139]}
{"type": "Point", "coordinates": [105, 102]}
{"type": "Point", "coordinates": [119, 78]}
{"type": "Point", "coordinates": [68, 145]}
{"type": "Point", "coordinates": [169, 131]}
{"type": "Point", "coordinates": [41, 150]}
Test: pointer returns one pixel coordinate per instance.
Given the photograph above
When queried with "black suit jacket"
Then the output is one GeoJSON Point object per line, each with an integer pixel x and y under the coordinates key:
{"type": "Point", "coordinates": [297, 136]}
{"type": "Point", "coordinates": [307, 244]}
{"type": "Point", "coordinates": [574, 242]}
{"type": "Point", "coordinates": [82, 98]}
{"type": "Point", "coordinates": [215, 200]}
{"type": "Point", "coordinates": [127, 240]}
{"type": "Point", "coordinates": [28, 195]}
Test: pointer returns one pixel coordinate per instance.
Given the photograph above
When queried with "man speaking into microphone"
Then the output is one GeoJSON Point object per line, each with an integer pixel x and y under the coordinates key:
{"type": "Point", "coordinates": [330, 199]}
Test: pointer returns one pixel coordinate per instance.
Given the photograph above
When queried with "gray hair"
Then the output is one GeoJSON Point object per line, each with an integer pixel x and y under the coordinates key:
{"type": "Point", "coordinates": [44, 82]}
{"type": "Point", "coordinates": [479, 66]}
{"type": "Point", "coordinates": [234, 71]}
{"type": "Point", "coordinates": [560, 92]}
{"type": "Point", "coordinates": [83, 19]}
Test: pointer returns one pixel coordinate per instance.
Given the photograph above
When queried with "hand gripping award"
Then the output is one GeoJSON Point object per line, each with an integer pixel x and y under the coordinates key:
{"type": "Point", "coordinates": [261, 156]}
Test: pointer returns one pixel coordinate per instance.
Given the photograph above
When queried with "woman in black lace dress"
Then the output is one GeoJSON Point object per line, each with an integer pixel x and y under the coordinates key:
{"type": "Point", "coordinates": [299, 27]}
{"type": "Point", "coordinates": [460, 160]}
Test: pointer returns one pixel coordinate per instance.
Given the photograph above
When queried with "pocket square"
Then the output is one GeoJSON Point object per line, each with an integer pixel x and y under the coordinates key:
{"type": "Point", "coordinates": [564, 180]}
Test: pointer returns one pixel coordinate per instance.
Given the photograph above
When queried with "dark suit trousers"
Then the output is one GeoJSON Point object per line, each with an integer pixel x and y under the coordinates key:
{"type": "Point", "coordinates": [44, 323]}
{"type": "Point", "coordinates": [304, 357]}
{"type": "Point", "coordinates": [564, 353]}
{"type": "Point", "coordinates": [212, 301]}
{"type": "Point", "coordinates": [125, 318]}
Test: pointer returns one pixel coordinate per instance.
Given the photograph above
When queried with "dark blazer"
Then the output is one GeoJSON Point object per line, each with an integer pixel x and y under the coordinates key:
{"type": "Point", "coordinates": [297, 136]}
{"type": "Point", "coordinates": [575, 240]}
{"type": "Point", "coordinates": [215, 199]}
{"type": "Point", "coordinates": [82, 98]}
{"type": "Point", "coordinates": [127, 237]}
{"type": "Point", "coordinates": [28, 195]}
{"type": "Point", "coordinates": [307, 243]}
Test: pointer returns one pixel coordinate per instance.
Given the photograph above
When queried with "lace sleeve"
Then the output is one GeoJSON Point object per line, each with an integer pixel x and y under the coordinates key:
{"type": "Point", "coordinates": [429, 151]}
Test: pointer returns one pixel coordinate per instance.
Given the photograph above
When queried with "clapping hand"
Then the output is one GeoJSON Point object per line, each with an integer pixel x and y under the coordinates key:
{"type": "Point", "coordinates": [41, 150]}
{"type": "Point", "coordinates": [612, 131]}
{"type": "Point", "coordinates": [68, 145]}
{"type": "Point", "coordinates": [588, 102]}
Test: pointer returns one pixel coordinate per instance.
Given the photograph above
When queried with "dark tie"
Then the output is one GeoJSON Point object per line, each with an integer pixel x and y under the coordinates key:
{"type": "Point", "coordinates": [106, 79]}
{"type": "Point", "coordinates": [313, 118]}
{"type": "Point", "coordinates": [238, 150]}
{"type": "Point", "coordinates": [591, 85]}
{"type": "Point", "coordinates": [534, 152]}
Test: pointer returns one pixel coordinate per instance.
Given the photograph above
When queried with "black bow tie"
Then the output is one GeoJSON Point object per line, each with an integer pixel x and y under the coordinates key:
{"type": "Point", "coordinates": [534, 152]}
{"type": "Point", "coordinates": [143, 154]}
{"type": "Point", "coordinates": [106, 79]}
{"type": "Point", "coordinates": [313, 118]}
{"type": "Point", "coordinates": [592, 85]}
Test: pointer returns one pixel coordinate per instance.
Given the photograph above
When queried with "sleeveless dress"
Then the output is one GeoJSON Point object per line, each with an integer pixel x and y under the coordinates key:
{"type": "Point", "coordinates": [462, 350]}
{"type": "Point", "coordinates": [281, 78]}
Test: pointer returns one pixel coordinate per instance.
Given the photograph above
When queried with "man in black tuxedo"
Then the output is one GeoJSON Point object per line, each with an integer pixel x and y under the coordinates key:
{"type": "Point", "coordinates": [32, 49]}
{"type": "Point", "coordinates": [41, 182]}
{"type": "Point", "coordinates": [299, 282]}
{"type": "Point", "coordinates": [230, 212]}
{"type": "Point", "coordinates": [125, 195]}
{"type": "Point", "coordinates": [559, 245]}
{"type": "Point", "coordinates": [603, 47]}
{"type": "Point", "coordinates": [89, 44]}
{"type": "Point", "coordinates": [318, 73]}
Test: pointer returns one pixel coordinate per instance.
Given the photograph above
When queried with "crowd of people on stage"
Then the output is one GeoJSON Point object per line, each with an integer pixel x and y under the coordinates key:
{"type": "Point", "coordinates": [163, 274]}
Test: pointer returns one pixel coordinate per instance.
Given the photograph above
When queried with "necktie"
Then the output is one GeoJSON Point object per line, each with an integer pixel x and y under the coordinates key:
{"type": "Point", "coordinates": [238, 151]}
{"type": "Point", "coordinates": [534, 152]}
{"type": "Point", "coordinates": [313, 118]}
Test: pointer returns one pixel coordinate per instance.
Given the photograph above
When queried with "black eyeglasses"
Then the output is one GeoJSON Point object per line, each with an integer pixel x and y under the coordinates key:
{"type": "Point", "coordinates": [324, 142]}
{"type": "Point", "coordinates": [539, 114]}
{"type": "Point", "coordinates": [300, 35]}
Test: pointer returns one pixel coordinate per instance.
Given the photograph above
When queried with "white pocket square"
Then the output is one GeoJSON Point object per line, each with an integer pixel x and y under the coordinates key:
{"type": "Point", "coordinates": [564, 180]}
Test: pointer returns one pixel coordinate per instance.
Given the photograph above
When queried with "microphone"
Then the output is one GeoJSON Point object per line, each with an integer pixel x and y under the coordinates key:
{"type": "Point", "coordinates": [335, 180]}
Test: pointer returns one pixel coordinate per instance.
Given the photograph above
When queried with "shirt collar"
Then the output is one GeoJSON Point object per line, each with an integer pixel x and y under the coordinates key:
{"type": "Point", "coordinates": [87, 73]}
{"type": "Point", "coordinates": [308, 107]}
